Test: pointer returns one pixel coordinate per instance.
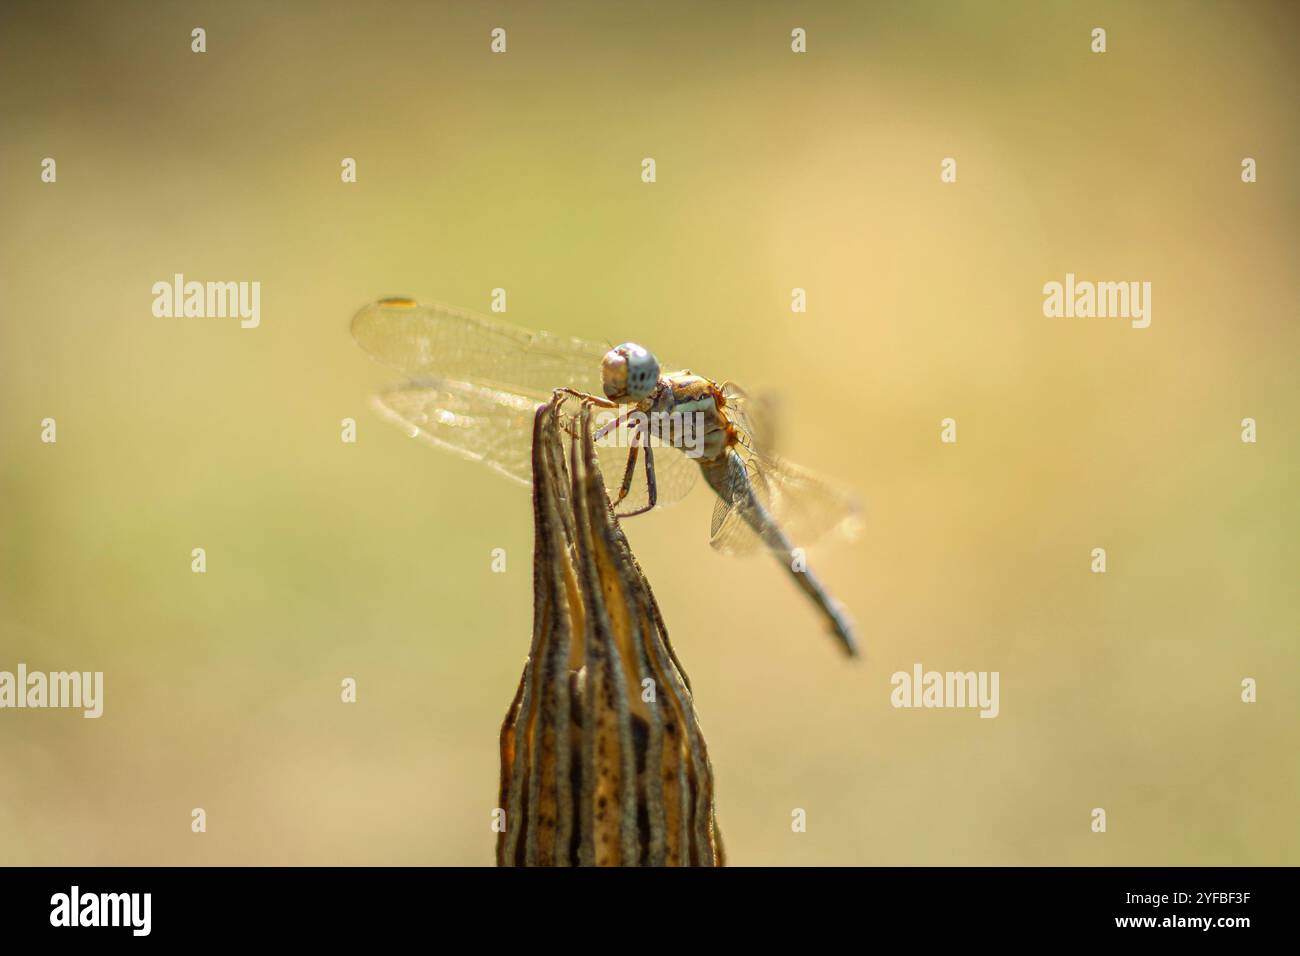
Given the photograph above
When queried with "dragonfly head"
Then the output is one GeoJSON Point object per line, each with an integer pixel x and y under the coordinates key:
{"type": "Point", "coordinates": [629, 373]}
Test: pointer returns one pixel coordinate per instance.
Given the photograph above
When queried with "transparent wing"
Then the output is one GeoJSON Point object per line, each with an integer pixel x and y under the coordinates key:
{"type": "Point", "coordinates": [805, 507]}
{"type": "Point", "coordinates": [478, 380]}
{"type": "Point", "coordinates": [476, 422]}
{"type": "Point", "coordinates": [451, 344]}
{"type": "Point", "coordinates": [730, 532]}
{"type": "Point", "coordinates": [495, 427]}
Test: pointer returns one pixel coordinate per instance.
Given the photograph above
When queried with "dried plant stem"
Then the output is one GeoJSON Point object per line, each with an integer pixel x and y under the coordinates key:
{"type": "Point", "coordinates": [602, 758]}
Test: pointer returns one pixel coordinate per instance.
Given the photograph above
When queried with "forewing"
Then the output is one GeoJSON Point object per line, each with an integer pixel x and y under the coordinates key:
{"type": "Point", "coordinates": [454, 345]}
{"type": "Point", "coordinates": [477, 381]}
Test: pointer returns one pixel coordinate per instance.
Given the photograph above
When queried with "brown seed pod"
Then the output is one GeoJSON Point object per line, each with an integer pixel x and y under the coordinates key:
{"type": "Point", "coordinates": [602, 759]}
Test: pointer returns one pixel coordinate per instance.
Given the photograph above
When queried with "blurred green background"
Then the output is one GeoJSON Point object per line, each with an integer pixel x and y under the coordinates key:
{"type": "Point", "coordinates": [328, 560]}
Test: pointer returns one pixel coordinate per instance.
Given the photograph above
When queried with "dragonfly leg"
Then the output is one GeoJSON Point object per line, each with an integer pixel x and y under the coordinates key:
{"type": "Point", "coordinates": [606, 428]}
{"type": "Point", "coordinates": [585, 398]}
{"type": "Point", "coordinates": [630, 470]}
{"type": "Point", "coordinates": [652, 492]}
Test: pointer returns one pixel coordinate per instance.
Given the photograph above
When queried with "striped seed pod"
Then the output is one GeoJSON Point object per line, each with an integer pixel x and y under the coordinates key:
{"type": "Point", "coordinates": [602, 759]}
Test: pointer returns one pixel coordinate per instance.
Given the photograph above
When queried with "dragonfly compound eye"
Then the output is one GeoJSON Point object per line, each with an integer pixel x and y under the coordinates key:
{"type": "Point", "coordinates": [629, 373]}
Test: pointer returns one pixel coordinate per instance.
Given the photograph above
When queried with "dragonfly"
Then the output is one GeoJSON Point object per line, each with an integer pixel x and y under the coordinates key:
{"type": "Point", "coordinates": [474, 383]}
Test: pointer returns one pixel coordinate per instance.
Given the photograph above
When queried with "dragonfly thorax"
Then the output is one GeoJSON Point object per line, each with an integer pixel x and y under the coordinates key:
{"type": "Point", "coordinates": [629, 373]}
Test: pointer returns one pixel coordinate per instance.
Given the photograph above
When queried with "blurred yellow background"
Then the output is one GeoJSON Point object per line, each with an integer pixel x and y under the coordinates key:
{"type": "Point", "coordinates": [775, 170]}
